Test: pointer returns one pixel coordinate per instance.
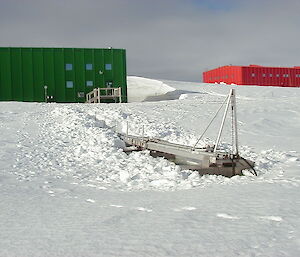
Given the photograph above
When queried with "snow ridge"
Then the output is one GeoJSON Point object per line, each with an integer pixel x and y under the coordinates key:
{"type": "Point", "coordinates": [78, 141]}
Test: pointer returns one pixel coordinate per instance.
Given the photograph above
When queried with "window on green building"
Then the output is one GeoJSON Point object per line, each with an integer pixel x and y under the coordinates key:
{"type": "Point", "coordinates": [108, 66]}
{"type": "Point", "coordinates": [89, 83]}
{"type": "Point", "coordinates": [89, 66]}
{"type": "Point", "coordinates": [69, 84]}
{"type": "Point", "coordinates": [69, 66]}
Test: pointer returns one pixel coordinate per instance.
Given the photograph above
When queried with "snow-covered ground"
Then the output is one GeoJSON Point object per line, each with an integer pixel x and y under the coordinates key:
{"type": "Point", "coordinates": [67, 189]}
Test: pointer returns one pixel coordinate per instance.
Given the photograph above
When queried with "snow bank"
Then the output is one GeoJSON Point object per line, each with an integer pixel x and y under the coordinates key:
{"type": "Point", "coordinates": [79, 142]}
{"type": "Point", "coordinates": [139, 88]}
{"type": "Point", "coordinates": [68, 189]}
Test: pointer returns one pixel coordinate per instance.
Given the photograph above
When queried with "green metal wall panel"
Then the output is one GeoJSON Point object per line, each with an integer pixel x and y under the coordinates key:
{"type": "Point", "coordinates": [108, 60]}
{"type": "Point", "coordinates": [79, 74]}
{"type": "Point", "coordinates": [69, 74]}
{"type": "Point", "coordinates": [16, 74]}
{"type": "Point", "coordinates": [49, 71]}
{"type": "Point", "coordinates": [5, 75]}
{"type": "Point", "coordinates": [90, 73]}
{"type": "Point", "coordinates": [124, 78]}
{"type": "Point", "coordinates": [38, 74]}
{"type": "Point", "coordinates": [25, 71]}
{"type": "Point", "coordinates": [117, 64]}
{"type": "Point", "coordinates": [99, 70]}
{"type": "Point", "coordinates": [59, 75]}
{"type": "Point", "coordinates": [27, 74]}
{"type": "Point", "coordinates": [120, 65]}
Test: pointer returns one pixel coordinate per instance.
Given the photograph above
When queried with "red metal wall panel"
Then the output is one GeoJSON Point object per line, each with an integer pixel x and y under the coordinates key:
{"type": "Point", "coordinates": [227, 74]}
{"type": "Point", "coordinates": [254, 75]}
{"type": "Point", "coordinates": [271, 76]}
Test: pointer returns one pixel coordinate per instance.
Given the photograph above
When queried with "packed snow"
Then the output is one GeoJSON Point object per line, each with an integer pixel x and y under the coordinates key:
{"type": "Point", "coordinates": [68, 189]}
{"type": "Point", "coordinates": [139, 89]}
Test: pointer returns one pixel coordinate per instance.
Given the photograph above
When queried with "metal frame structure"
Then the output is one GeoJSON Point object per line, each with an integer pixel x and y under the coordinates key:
{"type": "Point", "coordinates": [208, 160]}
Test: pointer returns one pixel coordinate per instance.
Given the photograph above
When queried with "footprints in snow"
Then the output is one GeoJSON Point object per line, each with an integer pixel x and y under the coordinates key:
{"type": "Point", "coordinates": [181, 209]}
{"type": "Point", "coordinates": [230, 217]}
{"type": "Point", "coordinates": [142, 209]}
{"type": "Point", "coordinates": [226, 216]}
{"type": "Point", "coordinates": [135, 208]}
{"type": "Point", "coordinates": [191, 208]}
{"type": "Point", "coordinates": [185, 208]}
{"type": "Point", "coordinates": [272, 218]}
{"type": "Point", "coordinates": [121, 206]}
{"type": "Point", "coordinates": [117, 206]}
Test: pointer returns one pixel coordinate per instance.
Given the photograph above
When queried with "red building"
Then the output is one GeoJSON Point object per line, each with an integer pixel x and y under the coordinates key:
{"type": "Point", "coordinates": [254, 75]}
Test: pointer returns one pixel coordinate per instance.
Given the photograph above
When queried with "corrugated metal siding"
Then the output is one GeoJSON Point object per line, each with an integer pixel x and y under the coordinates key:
{"type": "Point", "coordinates": [271, 76]}
{"type": "Point", "coordinates": [227, 74]}
{"type": "Point", "coordinates": [254, 75]}
{"type": "Point", "coordinates": [25, 71]}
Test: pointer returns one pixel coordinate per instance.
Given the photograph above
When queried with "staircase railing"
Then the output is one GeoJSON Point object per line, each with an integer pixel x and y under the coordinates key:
{"type": "Point", "coordinates": [97, 94]}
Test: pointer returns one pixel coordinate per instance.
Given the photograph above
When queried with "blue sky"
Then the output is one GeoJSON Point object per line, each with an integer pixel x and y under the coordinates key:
{"type": "Point", "coordinates": [164, 39]}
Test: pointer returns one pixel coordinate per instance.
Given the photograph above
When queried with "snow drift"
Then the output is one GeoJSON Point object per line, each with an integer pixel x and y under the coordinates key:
{"type": "Point", "coordinates": [68, 189]}
{"type": "Point", "coordinates": [140, 88]}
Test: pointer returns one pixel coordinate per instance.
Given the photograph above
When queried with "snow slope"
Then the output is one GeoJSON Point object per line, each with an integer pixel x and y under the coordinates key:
{"type": "Point", "coordinates": [139, 89]}
{"type": "Point", "coordinates": [67, 189]}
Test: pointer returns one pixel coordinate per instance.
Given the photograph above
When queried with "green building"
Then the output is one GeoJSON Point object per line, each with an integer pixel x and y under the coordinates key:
{"type": "Point", "coordinates": [60, 74]}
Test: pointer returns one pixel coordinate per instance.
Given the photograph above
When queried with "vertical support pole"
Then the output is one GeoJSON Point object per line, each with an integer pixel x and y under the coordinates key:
{"type": "Point", "coordinates": [120, 95]}
{"type": "Point", "coordinates": [223, 121]}
{"type": "Point", "coordinates": [46, 93]}
{"type": "Point", "coordinates": [233, 104]}
{"type": "Point", "coordinates": [98, 93]}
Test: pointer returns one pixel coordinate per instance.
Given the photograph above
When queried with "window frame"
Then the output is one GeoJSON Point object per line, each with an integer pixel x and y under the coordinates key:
{"type": "Point", "coordinates": [68, 65]}
{"type": "Point", "coordinates": [108, 66]}
{"type": "Point", "coordinates": [68, 86]}
{"type": "Point", "coordinates": [86, 83]}
{"type": "Point", "coordinates": [87, 65]}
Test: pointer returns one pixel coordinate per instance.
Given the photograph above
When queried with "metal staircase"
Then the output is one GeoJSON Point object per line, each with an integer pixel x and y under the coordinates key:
{"type": "Point", "coordinates": [98, 94]}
